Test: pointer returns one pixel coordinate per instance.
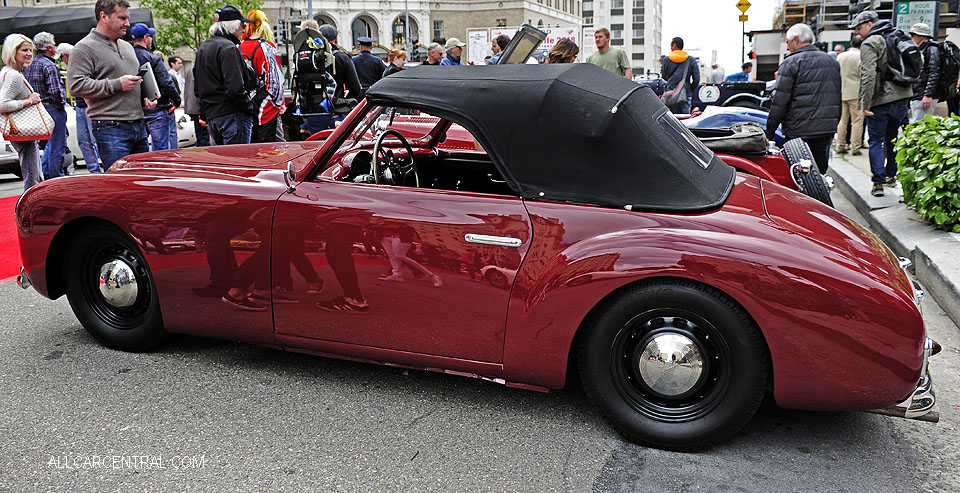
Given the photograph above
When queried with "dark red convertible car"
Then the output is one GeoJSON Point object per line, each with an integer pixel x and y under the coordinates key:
{"type": "Point", "coordinates": [682, 292]}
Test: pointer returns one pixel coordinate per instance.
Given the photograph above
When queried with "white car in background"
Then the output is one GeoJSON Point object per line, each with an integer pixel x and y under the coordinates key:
{"type": "Point", "coordinates": [10, 161]}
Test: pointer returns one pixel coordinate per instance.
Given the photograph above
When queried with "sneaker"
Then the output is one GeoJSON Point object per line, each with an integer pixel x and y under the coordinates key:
{"type": "Point", "coordinates": [315, 287]}
{"type": "Point", "coordinates": [259, 299]}
{"type": "Point", "coordinates": [342, 305]}
{"type": "Point", "coordinates": [437, 282]}
{"type": "Point", "coordinates": [890, 182]}
{"type": "Point", "coordinates": [877, 190]}
{"type": "Point", "coordinates": [243, 304]}
{"type": "Point", "coordinates": [391, 277]}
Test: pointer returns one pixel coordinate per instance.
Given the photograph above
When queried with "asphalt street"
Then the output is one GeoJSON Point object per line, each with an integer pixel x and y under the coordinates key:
{"type": "Point", "coordinates": [216, 415]}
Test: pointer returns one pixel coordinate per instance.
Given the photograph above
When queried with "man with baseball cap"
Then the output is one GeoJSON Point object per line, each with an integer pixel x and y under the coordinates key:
{"type": "Point", "coordinates": [158, 119]}
{"type": "Point", "coordinates": [369, 67]}
{"type": "Point", "coordinates": [926, 91]}
{"type": "Point", "coordinates": [454, 50]}
{"type": "Point", "coordinates": [883, 101]}
{"type": "Point", "coordinates": [224, 81]}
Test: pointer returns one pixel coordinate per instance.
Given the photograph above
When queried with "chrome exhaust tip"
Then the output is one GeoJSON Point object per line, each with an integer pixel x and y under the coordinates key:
{"type": "Point", "coordinates": [22, 279]}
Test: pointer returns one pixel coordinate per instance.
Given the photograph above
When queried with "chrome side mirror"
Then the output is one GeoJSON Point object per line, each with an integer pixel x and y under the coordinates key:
{"type": "Point", "coordinates": [290, 177]}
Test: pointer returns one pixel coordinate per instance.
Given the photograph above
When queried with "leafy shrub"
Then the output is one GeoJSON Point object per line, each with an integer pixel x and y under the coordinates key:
{"type": "Point", "coordinates": [928, 155]}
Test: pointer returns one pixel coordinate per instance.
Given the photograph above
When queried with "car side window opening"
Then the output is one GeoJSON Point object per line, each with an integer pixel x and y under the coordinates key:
{"type": "Point", "coordinates": [458, 162]}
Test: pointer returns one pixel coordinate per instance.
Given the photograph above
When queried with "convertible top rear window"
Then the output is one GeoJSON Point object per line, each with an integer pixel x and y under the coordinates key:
{"type": "Point", "coordinates": [684, 138]}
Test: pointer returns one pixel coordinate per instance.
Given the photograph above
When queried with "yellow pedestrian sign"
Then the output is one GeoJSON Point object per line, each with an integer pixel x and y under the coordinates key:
{"type": "Point", "coordinates": [743, 18]}
{"type": "Point", "coordinates": [743, 5]}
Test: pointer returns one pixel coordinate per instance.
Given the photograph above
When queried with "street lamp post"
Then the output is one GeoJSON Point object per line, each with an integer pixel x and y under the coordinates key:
{"type": "Point", "coordinates": [406, 27]}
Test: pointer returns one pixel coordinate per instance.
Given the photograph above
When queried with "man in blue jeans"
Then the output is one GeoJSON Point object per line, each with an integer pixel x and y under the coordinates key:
{"type": "Point", "coordinates": [44, 76]}
{"type": "Point", "coordinates": [884, 102]}
{"type": "Point", "coordinates": [85, 139]}
{"type": "Point", "coordinates": [224, 81]}
{"type": "Point", "coordinates": [103, 70]}
{"type": "Point", "coordinates": [158, 119]}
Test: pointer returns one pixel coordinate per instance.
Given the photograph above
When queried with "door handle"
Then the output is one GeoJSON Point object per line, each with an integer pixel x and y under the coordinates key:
{"type": "Point", "coordinates": [493, 240]}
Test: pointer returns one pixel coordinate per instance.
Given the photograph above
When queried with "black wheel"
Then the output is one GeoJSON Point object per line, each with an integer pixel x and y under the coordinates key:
{"type": "Point", "coordinates": [111, 290]}
{"type": "Point", "coordinates": [674, 365]}
{"type": "Point", "coordinates": [496, 278]}
{"type": "Point", "coordinates": [811, 182]}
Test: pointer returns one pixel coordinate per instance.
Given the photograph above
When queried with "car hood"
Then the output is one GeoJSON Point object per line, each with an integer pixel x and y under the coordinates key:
{"type": "Point", "coordinates": [842, 241]}
{"type": "Point", "coordinates": [250, 156]}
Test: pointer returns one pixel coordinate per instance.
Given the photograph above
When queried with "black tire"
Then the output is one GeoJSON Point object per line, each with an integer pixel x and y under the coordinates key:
{"type": "Point", "coordinates": [729, 387]}
{"type": "Point", "coordinates": [811, 182]}
{"type": "Point", "coordinates": [496, 278]}
{"type": "Point", "coordinates": [137, 327]}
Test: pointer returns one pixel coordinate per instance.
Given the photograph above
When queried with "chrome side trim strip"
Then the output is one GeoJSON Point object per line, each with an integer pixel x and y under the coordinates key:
{"type": "Point", "coordinates": [493, 240]}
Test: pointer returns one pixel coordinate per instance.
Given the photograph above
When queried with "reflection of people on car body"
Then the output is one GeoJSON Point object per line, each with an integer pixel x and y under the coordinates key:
{"type": "Point", "coordinates": [342, 232]}
{"type": "Point", "coordinates": [397, 244]}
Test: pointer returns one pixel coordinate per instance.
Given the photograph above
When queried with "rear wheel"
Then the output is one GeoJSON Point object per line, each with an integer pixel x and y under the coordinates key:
{"type": "Point", "coordinates": [811, 182]}
{"type": "Point", "coordinates": [111, 290]}
{"type": "Point", "coordinates": [674, 365]}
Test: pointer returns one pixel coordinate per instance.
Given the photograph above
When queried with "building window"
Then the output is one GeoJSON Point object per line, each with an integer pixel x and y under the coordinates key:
{"type": "Point", "coordinates": [638, 33]}
{"type": "Point", "coordinates": [437, 29]}
{"type": "Point", "coordinates": [588, 21]}
{"type": "Point", "coordinates": [638, 4]}
{"type": "Point", "coordinates": [501, 22]}
{"type": "Point", "coordinates": [616, 4]}
{"type": "Point", "coordinates": [637, 56]}
{"type": "Point", "coordinates": [616, 34]}
{"type": "Point", "coordinates": [616, 19]}
{"type": "Point", "coordinates": [637, 18]}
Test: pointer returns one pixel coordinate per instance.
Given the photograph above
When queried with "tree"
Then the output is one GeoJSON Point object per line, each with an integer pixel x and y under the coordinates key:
{"type": "Point", "coordinates": [189, 20]}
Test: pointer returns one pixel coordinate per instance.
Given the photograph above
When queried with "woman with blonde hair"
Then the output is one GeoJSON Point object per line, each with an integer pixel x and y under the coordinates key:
{"type": "Point", "coordinates": [258, 46]}
{"type": "Point", "coordinates": [16, 94]}
{"type": "Point", "coordinates": [565, 51]}
{"type": "Point", "coordinates": [396, 59]}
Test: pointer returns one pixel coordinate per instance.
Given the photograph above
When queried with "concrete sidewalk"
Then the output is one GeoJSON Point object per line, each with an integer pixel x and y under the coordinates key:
{"type": "Point", "coordinates": [935, 253]}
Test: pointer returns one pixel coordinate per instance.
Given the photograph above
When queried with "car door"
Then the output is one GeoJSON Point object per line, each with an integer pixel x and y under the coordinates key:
{"type": "Point", "coordinates": [439, 301]}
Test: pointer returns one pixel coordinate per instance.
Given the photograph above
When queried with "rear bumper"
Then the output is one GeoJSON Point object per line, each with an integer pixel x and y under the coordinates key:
{"type": "Point", "coordinates": [920, 403]}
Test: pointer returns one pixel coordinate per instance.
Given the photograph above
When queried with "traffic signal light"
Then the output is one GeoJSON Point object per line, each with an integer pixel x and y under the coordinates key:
{"type": "Point", "coordinates": [815, 25]}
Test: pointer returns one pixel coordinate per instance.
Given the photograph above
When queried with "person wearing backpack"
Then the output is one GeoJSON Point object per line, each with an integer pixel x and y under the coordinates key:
{"type": "Point", "coordinates": [885, 90]}
{"type": "Point", "coordinates": [808, 95]}
{"type": "Point", "coordinates": [223, 80]}
{"type": "Point", "coordinates": [682, 74]}
{"type": "Point", "coordinates": [927, 90]}
{"type": "Point", "coordinates": [258, 47]}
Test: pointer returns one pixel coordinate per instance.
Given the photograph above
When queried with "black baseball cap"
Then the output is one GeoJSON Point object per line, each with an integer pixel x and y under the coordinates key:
{"type": "Point", "coordinates": [230, 13]}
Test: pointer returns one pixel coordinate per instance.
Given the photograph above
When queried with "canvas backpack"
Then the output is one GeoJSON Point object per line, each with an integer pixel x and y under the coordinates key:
{"type": "Point", "coordinates": [904, 59]}
{"type": "Point", "coordinates": [949, 68]}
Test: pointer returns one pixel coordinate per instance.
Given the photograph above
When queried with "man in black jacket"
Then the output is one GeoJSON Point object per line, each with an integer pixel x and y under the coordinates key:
{"type": "Point", "coordinates": [158, 119]}
{"type": "Point", "coordinates": [224, 81]}
{"type": "Point", "coordinates": [348, 84]}
{"type": "Point", "coordinates": [369, 67]}
{"type": "Point", "coordinates": [807, 98]}
{"type": "Point", "coordinates": [926, 91]}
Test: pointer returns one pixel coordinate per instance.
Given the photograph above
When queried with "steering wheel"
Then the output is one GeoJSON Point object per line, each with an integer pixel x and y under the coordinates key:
{"type": "Point", "coordinates": [395, 168]}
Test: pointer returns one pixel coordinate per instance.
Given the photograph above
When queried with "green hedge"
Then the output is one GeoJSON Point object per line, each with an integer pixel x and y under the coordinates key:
{"type": "Point", "coordinates": [928, 156]}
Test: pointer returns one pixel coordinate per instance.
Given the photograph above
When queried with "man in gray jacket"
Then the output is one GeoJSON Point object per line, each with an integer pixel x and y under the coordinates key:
{"type": "Point", "coordinates": [807, 98]}
{"type": "Point", "coordinates": [103, 70]}
{"type": "Point", "coordinates": [884, 102]}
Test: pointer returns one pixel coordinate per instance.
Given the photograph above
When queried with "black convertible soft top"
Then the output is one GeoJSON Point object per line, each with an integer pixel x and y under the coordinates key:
{"type": "Point", "coordinates": [554, 134]}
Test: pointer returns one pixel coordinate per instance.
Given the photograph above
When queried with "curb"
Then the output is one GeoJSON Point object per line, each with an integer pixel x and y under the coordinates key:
{"type": "Point", "coordinates": [934, 252]}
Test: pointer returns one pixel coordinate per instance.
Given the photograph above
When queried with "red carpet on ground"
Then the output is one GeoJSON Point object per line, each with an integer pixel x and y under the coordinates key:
{"type": "Point", "coordinates": [9, 244]}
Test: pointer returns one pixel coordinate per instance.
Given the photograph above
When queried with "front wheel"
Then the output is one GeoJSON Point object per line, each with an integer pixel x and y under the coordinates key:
{"type": "Point", "coordinates": [674, 365]}
{"type": "Point", "coordinates": [111, 290]}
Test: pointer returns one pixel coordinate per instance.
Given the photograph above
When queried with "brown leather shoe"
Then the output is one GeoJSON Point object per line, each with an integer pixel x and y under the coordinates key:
{"type": "Point", "coordinates": [856, 152]}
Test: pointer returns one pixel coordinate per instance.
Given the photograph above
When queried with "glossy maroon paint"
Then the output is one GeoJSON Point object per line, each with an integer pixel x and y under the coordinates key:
{"type": "Point", "coordinates": [839, 318]}
{"type": "Point", "coordinates": [766, 166]}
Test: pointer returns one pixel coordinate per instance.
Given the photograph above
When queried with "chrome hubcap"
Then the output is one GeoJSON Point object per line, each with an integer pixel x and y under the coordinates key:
{"type": "Point", "coordinates": [671, 364]}
{"type": "Point", "coordinates": [118, 283]}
